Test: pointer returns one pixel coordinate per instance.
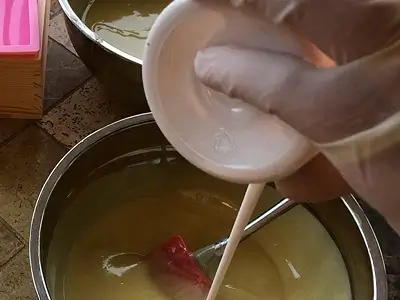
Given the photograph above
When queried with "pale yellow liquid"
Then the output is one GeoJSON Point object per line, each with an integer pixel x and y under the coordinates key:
{"type": "Point", "coordinates": [124, 24]}
{"type": "Point", "coordinates": [135, 209]}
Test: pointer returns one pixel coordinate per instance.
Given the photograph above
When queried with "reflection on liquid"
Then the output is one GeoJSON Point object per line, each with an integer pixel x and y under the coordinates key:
{"type": "Point", "coordinates": [120, 263]}
{"type": "Point", "coordinates": [123, 24]}
{"type": "Point", "coordinates": [98, 247]}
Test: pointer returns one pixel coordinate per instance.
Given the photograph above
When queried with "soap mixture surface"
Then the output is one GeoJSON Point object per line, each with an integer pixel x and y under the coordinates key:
{"type": "Point", "coordinates": [124, 24]}
{"type": "Point", "coordinates": [99, 247]}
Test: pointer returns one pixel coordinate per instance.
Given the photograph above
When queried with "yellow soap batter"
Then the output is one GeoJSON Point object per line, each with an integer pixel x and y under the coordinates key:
{"type": "Point", "coordinates": [94, 253]}
{"type": "Point", "coordinates": [124, 24]}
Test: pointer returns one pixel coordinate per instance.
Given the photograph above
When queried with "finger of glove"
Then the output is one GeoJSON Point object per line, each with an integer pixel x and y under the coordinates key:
{"type": "Point", "coordinates": [364, 27]}
{"type": "Point", "coordinates": [275, 10]}
{"type": "Point", "coordinates": [316, 181]}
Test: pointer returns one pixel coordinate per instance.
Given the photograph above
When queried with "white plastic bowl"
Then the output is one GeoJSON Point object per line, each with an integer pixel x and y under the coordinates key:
{"type": "Point", "coordinates": [225, 137]}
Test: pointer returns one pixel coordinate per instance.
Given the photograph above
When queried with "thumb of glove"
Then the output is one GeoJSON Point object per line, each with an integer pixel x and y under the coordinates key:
{"type": "Point", "coordinates": [276, 83]}
{"type": "Point", "coordinates": [325, 105]}
{"type": "Point", "coordinates": [255, 76]}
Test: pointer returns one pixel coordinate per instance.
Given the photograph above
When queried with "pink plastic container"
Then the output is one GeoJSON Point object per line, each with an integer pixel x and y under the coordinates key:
{"type": "Point", "coordinates": [19, 27]}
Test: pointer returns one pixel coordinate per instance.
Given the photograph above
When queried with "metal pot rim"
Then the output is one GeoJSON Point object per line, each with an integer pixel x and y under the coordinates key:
{"type": "Point", "coordinates": [47, 189]}
{"type": "Point", "coordinates": [70, 13]}
{"type": "Point", "coordinates": [371, 243]}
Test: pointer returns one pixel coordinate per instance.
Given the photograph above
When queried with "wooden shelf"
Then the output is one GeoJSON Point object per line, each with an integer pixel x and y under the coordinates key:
{"type": "Point", "coordinates": [22, 77]}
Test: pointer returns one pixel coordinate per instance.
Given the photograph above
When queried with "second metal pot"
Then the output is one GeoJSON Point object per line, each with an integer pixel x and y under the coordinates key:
{"type": "Point", "coordinates": [118, 72]}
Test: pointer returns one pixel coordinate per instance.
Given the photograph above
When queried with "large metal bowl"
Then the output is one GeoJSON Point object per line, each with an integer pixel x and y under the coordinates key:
{"type": "Point", "coordinates": [117, 71]}
{"type": "Point", "coordinates": [343, 218]}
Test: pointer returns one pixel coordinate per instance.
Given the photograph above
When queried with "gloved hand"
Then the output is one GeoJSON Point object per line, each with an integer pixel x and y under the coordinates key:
{"type": "Point", "coordinates": [351, 112]}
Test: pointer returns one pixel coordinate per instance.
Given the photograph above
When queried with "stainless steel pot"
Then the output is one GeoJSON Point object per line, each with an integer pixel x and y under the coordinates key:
{"type": "Point", "coordinates": [343, 218]}
{"type": "Point", "coordinates": [117, 71]}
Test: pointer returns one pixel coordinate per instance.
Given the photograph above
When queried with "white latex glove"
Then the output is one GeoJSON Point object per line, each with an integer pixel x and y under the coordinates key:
{"type": "Point", "coordinates": [351, 112]}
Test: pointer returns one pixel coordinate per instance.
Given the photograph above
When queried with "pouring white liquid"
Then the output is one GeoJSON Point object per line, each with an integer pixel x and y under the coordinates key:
{"type": "Point", "coordinates": [250, 200]}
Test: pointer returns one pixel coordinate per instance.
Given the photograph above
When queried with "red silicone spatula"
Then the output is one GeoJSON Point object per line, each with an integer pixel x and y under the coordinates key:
{"type": "Point", "coordinates": [174, 268]}
{"type": "Point", "coordinates": [186, 275]}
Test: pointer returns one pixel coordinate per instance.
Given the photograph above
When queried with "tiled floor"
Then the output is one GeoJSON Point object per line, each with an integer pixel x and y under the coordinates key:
{"type": "Point", "coordinates": [75, 106]}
